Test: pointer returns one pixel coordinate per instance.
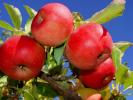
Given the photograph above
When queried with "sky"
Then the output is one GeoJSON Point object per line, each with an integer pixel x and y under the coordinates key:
{"type": "Point", "coordinates": [121, 28]}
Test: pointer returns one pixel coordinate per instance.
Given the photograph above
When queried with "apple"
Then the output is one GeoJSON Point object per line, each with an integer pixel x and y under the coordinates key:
{"type": "Point", "coordinates": [95, 97]}
{"type": "Point", "coordinates": [52, 25]}
{"type": "Point", "coordinates": [99, 77]}
{"type": "Point", "coordinates": [21, 57]}
{"type": "Point", "coordinates": [88, 45]}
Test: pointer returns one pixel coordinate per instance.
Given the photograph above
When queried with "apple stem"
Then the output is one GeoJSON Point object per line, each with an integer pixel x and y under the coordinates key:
{"type": "Point", "coordinates": [67, 94]}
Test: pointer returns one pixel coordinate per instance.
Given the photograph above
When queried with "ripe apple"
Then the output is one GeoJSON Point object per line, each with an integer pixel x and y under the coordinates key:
{"type": "Point", "coordinates": [52, 25]}
{"type": "Point", "coordinates": [95, 97]}
{"type": "Point", "coordinates": [21, 57]}
{"type": "Point", "coordinates": [88, 45]}
{"type": "Point", "coordinates": [99, 77]}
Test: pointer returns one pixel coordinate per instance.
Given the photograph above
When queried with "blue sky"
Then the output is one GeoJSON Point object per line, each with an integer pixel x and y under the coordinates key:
{"type": "Point", "coordinates": [120, 28]}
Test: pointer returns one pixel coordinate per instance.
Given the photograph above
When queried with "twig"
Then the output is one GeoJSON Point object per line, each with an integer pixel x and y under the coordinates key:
{"type": "Point", "coordinates": [67, 94]}
{"type": "Point", "coordinates": [61, 78]}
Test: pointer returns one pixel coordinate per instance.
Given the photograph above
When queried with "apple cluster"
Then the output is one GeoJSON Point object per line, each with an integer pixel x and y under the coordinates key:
{"type": "Point", "coordinates": [88, 47]}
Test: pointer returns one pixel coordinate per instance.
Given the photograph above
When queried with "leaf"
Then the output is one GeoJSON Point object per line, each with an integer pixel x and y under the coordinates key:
{"type": "Point", "coordinates": [28, 25]}
{"type": "Point", "coordinates": [85, 92]}
{"type": "Point", "coordinates": [112, 11]}
{"type": "Point", "coordinates": [106, 93]}
{"type": "Point", "coordinates": [119, 97]}
{"type": "Point", "coordinates": [128, 81]}
{"type": "Point", "coordinates": [123, 45]}
{"type": "Point", "coordinates": [6, 26]}
{"type": "Point", "coordinates": [120, 74]}
{"type": "Point", "coordinates": [30, 11]}
{"type": "Point", "coordinates": [1, 41]}
{"type": "Point", "coordinates": [14, 14]}
{"type": "Point", "coordinates": [27, 95]}
{"type": "Point", "coordinates": [78, 19]}
{"type": "Point", "coordinates": [3, 80]}
{"type": "Point", "coordinates": [58, 53]}
{"type": "Point", "coordinates": [116, 56]}
{"type": "Point", "coordinates": [45, 90]}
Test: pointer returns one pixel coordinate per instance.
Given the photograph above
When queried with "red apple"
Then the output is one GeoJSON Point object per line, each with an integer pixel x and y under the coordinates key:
{"type": "Point", "coordinates": [100, 77]}
{"type": "Point", "coordinates": [21, 57]}
{"type": "Point", "coordinates": [95, 97]}
{"type": "Point", "coordinates": [52, 25]}
{"type": "Point", "coordinates": [88, 45]}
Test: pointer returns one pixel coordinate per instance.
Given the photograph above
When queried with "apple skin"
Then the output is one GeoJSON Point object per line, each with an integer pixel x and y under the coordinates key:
{"type": "Point", "coordinates": [52, 25]}
{"type": "Point", "coordinates": [99, 77]}
{"type": "Point", "coordinates": [87, 44]}
{"type": "Point", "coordinates": [21, 57]}
{"type": "Point", "coordinates": [95, 97]}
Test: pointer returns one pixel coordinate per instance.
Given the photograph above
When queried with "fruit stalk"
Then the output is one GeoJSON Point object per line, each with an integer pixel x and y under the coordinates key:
{"type": "Point", "coordinates": [67, 94]}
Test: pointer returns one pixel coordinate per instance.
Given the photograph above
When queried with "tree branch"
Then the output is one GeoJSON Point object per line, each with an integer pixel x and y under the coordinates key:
{"type": "Point", "coordinates": [67, 94]}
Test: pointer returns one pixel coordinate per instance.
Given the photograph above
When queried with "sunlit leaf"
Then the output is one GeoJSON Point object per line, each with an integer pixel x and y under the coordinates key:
{"type": "Point", "coordinates": [1, 41]}
{"type": "Point", "coordinates": [6, 26]}
{"type": "Point", "coordinates": [14, 14]}
{"type": "Point", "coordinates": [106, 93]}
{"type": "Point", "coordinates": [58, 53]}
{"type": "Point", "coordinates": [28, 25]}
{"type": "Point", "coordinates": [85, 92]}
{"type": "Point", "coordinates": [112, 11]}
{"type": "Point", "coordinates": [121, 73]}
{"type": "Point", "coordinates": [30, 11]}
{"type": "Point", "coordinates": [116, 56]}
{"type": "Point", "coordinates": [3, 80]}
{"type": "Point", "coordinates": [28, 95]}
{"type": "Point", "coordinates": [128, 81]}
{"type": "Point", "coordinates": [78, 19]}
{"type": "Point", "coordinates": [123, 45]}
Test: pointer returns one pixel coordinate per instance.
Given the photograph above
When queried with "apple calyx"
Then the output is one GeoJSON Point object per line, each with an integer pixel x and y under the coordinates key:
{"type": "Point", "coordinates": [103, 56]}
{"type": "Point", "coordinates": [107, 79]}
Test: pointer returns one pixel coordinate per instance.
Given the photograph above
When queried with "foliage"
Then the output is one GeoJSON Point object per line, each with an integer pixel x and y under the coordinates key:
{"type": "Point", "coordinates": [39, 89]}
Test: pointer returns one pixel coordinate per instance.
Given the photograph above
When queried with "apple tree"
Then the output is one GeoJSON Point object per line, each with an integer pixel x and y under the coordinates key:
{"type": "Point", "coordinates": [59, 55]}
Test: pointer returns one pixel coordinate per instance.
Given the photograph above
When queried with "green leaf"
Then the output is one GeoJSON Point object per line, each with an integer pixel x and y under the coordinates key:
{"type": "Point", "coordinates": [45, 90]}
{"type": "Point", "coordinates": [58, 53]}
{"type": "Point", "coordinates": [106, 93]}
{"type": "Point", "coordinates": [3, 80]}
{"type": "Point", "coordinates": [116, 56]}
{"type": "Point", "coordinates": [30, 11]}
{"type": "Point", "coordinates": [128, 81]}
{"type": "Point", "coordinates": [1, 41]}
{"type": "Point", "coordinates": [27, 95]}
{"type": "Point", "coordinates": [28, 25]}
{"type": "Point", "coordinates": [119, 97]}
{"type": "Point", "coordinates": [112, 11]}
{"type": "Point", "coordinates": [78, 19]}
{"type": "Point", "coordinates": [14, 14]}
{"type": "Point", "coordinates": [6, 26]}
{"type": "Point", "coordinates": [123, 45]}
{"type": "Point", "coordinates": [120, 74]}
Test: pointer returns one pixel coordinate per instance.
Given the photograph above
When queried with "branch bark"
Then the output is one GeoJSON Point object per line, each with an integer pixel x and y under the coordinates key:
{"type": "Point", "coordinates": [67, 94]}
